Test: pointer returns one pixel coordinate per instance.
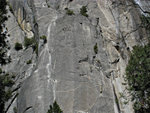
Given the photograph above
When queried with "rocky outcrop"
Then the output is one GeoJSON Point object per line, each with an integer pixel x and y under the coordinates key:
{"type": "Point", "coordinates": [82, 65]}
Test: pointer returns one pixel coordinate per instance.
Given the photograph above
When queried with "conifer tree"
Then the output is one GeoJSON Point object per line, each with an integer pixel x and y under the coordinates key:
{"type": "Point", "coordinates": [138, 77]}
{"type": "Point", "coordinates": [55, 108]}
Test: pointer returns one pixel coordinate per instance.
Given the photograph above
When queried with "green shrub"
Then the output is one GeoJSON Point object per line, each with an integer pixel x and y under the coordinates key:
{"type": "Point", "coordinates": [18, 46]}
{"type": "Point", "coordinates": [31, 42]}
{"type": "Point", "coordinates": [96, 48]}
{"type": "Point", "coordinates": [145, 21]}
{"type": "Point", "coordinates": [44, 38]}
{"type": "Point", "coordinates": [83, 11]}
{"type": "Point", "coordinates": [29, 61]}
{"type": "Point", "coordinates": [146, 24]}
{"type": "Point", "coordinates": [15, 110]}
{"type": "Point", "coordinates": [4, 58]}
{"type": "Point", "coordinates": [28, 41]}
{"type": "Point", "coordinates": [69, 12]}
{"type": "Point", "coordinates": [6, 81]}
{"type": "Point", "coordinates": [138, 78]}
{"type": "Point", "coordinates": [54, 108]}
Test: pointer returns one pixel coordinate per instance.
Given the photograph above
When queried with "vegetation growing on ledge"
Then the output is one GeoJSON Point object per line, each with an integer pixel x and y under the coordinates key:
{"type": "Point", "coordinates": [138, 77]}
{"type": "Point", "coordinates": [6, 80]}
{"type": "Point", "coordinates": [4, 59]}
{"type": "Point", "coordinates": [18, 46]}
{"type": "Point", "coordinates": [83, 11]}
{"type": "Point", "coordinates": [54, 108]}
{"type": "Point", "coordinates": [29, 61]}
{"type": "Point", "coordinates": [69, 12]}
{"type": "Point", "coordinates": [28, 41]}
{"type": "Point", "coordinates": [145, 21]}
{"type": "Point", "coordinates": [44, 38]}
{"type": "Point", "coordinates": [31, 42]}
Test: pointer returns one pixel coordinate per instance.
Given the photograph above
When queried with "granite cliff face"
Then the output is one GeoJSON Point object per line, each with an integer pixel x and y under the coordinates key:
{"type": "Point", "coordinates": [82, 65]}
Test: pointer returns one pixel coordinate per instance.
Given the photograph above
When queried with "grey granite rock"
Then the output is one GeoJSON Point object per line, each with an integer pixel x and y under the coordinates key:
{"type": "Point", "coordinates": [67, 68]}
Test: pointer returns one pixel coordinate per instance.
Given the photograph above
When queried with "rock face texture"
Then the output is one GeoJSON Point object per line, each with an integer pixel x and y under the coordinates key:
{"type": "Point", "coordinates": [82, 65]}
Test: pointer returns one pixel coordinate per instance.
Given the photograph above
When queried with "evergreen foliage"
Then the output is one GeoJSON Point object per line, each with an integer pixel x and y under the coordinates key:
{"type": "Point", "coordinates": [69, 12]}
{"type": "Point", "coordinates": [138, 77]}
{"type": "Point", "coordinates": [6, 80]}
{"type": "Point", "coordinates": [4, 59]}
{"type": "Point", "coordinates": [31, 42]}
{"type": "Point", "coordinates": [28, 41]}
{"type": "Point", "coordinates": [54, 108]}
{"type": "Point", "coordinates": [83, 11]}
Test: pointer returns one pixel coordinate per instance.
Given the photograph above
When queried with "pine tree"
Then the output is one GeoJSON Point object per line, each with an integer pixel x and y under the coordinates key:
{"type": "Point", "coordinates": [6, 80]}
{"type": "Point", "coordinates": [55, 108]}
{"type": "Point", "coordinates": [138, 77]}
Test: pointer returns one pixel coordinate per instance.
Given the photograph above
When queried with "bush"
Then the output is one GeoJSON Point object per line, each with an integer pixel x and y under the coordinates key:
{"type": "Point", "coordinates": [44, 38]}
{"type": "Point", "coordinates": [15, 110]}
{"type": "Point", "coordinates": [138, 77]}
{"type": "Point", "coordinates": [146, 24]}
{"type": "Point", "coordinates": [18, 46]}
{"type": "Point", "coordinates": [83, 11]}
{"type": "Point", "coordinates": [28, 41]}
{"type": "Point", "coordinates": [29, 61]}
{"type": "Point", "coordinates": [31, 42]}
{"type": "Point", "coordinates": [69, 12]}
{"type": "Point", "coordinates": [145, 21]}
{"type": "Point", "coordinates": [55, 108]}
{"type": "Point", "coordinates": [96, 48]}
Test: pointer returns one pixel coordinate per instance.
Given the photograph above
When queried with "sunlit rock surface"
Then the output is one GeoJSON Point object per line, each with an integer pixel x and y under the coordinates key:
{"type": "Point", "coordinates": [67, 68]}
